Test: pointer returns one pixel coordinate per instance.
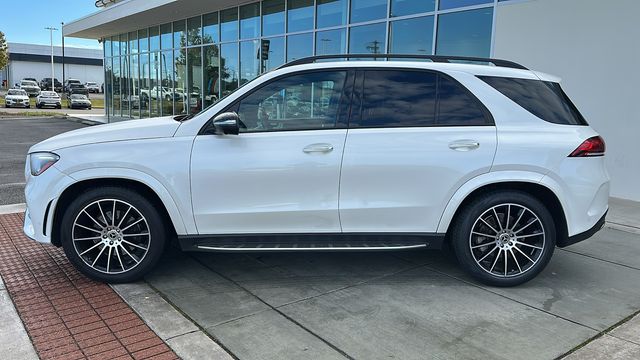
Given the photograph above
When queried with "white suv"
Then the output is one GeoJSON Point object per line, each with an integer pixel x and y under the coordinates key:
{"type": "Point", "coordinates": [494, 161]}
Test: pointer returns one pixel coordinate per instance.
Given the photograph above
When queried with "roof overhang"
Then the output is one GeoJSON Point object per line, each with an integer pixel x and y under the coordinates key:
{"type": "Point", "coordinates": [130, 15]}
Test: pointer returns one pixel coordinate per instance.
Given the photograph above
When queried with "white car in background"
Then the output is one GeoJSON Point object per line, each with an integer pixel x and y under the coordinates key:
{"type": "Point", "coordinates": [48, 98]}
{"type": "Point", "coordinates": [494, 161]}
{"type": "Point", "coordinates": [92, 87]}
{"type": "Point", "coordinates": [16, 98]}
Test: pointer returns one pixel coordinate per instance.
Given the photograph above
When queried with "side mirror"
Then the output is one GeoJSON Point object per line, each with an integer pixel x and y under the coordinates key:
{"type": "Point", "coordinates": [227, 124]}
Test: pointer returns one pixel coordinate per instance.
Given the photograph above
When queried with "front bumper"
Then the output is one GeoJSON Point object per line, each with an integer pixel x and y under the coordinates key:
{"type": "Point", "coordinates": [584, 235]}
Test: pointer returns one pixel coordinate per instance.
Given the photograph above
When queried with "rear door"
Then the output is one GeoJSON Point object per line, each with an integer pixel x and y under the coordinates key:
{"type": "Point", "coordinates": [415, 137]}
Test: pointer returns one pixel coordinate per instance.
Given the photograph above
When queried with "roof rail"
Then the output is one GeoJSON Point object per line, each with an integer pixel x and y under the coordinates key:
{"type": "Point", "coordinates": [434, 58]}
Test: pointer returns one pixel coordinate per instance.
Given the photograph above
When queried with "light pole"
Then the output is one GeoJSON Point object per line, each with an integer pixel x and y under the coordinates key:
{"type": "Point", "coordinates": [53, 86]}
{"type": "Point", "coordinates": [51, 30]}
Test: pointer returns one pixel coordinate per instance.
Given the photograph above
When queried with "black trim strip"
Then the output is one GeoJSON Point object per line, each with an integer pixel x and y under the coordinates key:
{"type": "Point", "coordinates": [584, 235]}
{"type": "Point", "coordinates": [46, 217]}
{"type": "Point", "coordinates": [56, 59]}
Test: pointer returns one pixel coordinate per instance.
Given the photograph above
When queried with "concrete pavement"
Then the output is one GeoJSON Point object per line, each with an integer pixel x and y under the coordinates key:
{"type": "Point", "coordinates": [15, 343]}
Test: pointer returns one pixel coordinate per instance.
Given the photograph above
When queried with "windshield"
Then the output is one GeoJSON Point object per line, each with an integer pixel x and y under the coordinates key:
{"type": "Point", "coordinates": [78, 97]}
{"type": "Point", "coordinates": [17, 92]}
{"type": "Point", "coordinates": [28, 83]}
{"type": "Point", "coordinates": [49, 94]}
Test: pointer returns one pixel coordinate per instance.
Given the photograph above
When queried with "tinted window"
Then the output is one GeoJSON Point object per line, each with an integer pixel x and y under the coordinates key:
{"type": "Point", "coordinates": [407, 7]}
{"type": "Point", "coordinates": [303, 101]}
{"type": "Point", "coordinates": [456, 106]}
{"type": "Point", "coordinates": [543, 99]}
{"type": "Point", "coordinates": [366, 10]}
{"type": "Point", "coordinates": [465, 33]}
{"type": "Point", "coordinates": [397, 98]}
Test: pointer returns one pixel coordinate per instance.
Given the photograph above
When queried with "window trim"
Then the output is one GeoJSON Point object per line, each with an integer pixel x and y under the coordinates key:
{"type": "Point", "coordinates": [344, 104]}
{"type": "Point", "coordinates": [359, 98]}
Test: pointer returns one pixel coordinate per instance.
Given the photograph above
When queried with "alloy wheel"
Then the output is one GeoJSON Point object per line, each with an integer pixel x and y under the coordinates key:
{"type": "Point", "coordinates": [507, 240]}
{"type": "Point", "coordinates": [111, 236]}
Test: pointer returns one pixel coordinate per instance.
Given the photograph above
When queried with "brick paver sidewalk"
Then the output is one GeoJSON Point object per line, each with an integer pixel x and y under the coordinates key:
{"type": "Point", "coordinates": [67, 315]}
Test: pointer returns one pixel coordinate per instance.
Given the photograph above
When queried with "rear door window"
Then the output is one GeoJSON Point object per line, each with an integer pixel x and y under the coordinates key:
{"type": "Point", "coordinates": [543, 99]}
{"type": "Point", "coordinates": [414, 98]}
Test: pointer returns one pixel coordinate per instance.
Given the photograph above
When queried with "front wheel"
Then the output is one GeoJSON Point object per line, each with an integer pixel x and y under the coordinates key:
{"type": "Point", "coordinates": [113, 234]}
{"type": "Point", "coordinates": [504, 238]}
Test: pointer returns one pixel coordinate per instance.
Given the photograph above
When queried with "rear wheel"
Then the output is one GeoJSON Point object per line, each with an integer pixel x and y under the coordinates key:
{"type": "Point", "coordinates": [504, 238]}
{"type": "Point", "coordinates": [112, 234]}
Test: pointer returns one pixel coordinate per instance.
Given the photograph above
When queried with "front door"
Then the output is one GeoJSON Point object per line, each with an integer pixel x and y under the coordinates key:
{"type": "Point", "coordinates": [281, 173]}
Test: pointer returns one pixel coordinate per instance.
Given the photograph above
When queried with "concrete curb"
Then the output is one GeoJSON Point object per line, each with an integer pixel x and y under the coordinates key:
{"type": "Point", "coordinates": [13, 208]}
{"type": "Point", "coordinates": [14, 341]}
{"type": "Point", "coordinates": [182, 335]}
{"type": "Point", "coordinates": [83, 121]}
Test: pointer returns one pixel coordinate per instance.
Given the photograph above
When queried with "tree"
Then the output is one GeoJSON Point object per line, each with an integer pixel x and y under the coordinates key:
{"type": "Point", "coordinates": [4, 51]}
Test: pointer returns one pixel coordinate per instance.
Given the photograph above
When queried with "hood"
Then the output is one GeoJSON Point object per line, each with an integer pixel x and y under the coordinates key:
{"type": "Point", "coordinates": [121, 131]}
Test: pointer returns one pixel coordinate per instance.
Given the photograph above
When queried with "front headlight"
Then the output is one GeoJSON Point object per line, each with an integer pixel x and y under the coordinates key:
{"type": "Point", "coordinates": [39, 162]}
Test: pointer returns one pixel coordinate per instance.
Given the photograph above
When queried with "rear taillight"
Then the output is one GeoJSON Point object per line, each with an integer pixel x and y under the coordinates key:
{"type": "Point", "coordinates": [591, 147]}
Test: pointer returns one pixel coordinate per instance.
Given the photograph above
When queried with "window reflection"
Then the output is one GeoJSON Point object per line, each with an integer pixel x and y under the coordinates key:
{"type": "Point", "coordinates": [143, 39]}
{"type": "Point", "coordinates": [107, 47]}
{"type": "Point", "coordinates": [412, 36]}
{"type": "Point", "coordinates": [229, 65]}
{"type": "Point", "coordinates": [166, 36]}
{"type": "Point", "coordinates": [124, 91]}
{"type": "Point", "coordinates": [331, 42]}
{"type": "Point", "coordinates": [166, 74]}
{"type": "Point", "coordinates": [450, 4]}
{"type": "Point", "coordinates": [250, 21]}
{"type": "Point", "coordinates": [211, 74]}
{"type": "Point", "coordinates": [211, 33]}
{"type": "Point", "coordinates": [124, 42]}
{"type": "Point", "coordinates": [134, 93]}
{"type": "Point", "coordinates": [366, 10]}
{"type": "Point", "coordinates": [154, 38]}
{"type": "Point", "coordinates": [115, 45]}
{"type": "Point", "coordinates": [144, 85]}
{"type": "Point", "coordinates": [133, 42]}
{"type": "Point", "coordinates": [194, 31]}
{"type": "Point", "coordinates": [367, 39]}
{"type": "Point", "coordinates": [154, 84]}
{"type": "Point", "coordinates": [408, 7]}
{"type": "Point", "coordinates": [249, 60]}
{"type": "Point", "coordinates": [179, 39]}
{"type": "Point", "coordinates": [299, 15]}
{"type": "Point", "coordinates": [275, 55]}
{"type": "Point", "coordinates": [194, 91]}
{"type": "Point", "coordinates": [180, 80]}
{"type": "Point", "coordinates": [272, 17]}
{"type": "Point", "coordinates": [229, 24]}
{"type": "Point", "coordinates": [299, 46]}
{"type": "Point", "coordinates": [466, 33]}
{"type": "Point", "coordinates": [116, 86]}
{"type": "Point", "coordinates": [331, 13]}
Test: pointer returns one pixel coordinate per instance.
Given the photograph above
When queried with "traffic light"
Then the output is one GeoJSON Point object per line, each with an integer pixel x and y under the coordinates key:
{"type": "Point", "coordinates": [264, 49]}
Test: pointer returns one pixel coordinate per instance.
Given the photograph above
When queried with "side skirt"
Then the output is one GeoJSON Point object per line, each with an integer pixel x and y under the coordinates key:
{"type": "Point", "coordinates": [311, 242]}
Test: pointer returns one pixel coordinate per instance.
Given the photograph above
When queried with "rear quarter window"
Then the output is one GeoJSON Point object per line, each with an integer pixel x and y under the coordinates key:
{"type": "Point", "coordinates": [543, 99]}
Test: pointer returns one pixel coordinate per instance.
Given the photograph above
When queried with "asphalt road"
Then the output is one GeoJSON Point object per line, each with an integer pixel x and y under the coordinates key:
{"type": "Point", "coordinates": [16, 136]}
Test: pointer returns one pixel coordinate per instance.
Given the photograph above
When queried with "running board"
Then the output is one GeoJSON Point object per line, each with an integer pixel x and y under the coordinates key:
{"type": "Point", "coordinates": [311, 242]}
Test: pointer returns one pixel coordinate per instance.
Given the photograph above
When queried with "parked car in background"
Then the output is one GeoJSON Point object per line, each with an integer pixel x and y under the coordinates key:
{"type": "Point", "coordinates": [77, 89]}
{"type": "Point", "coordinates": [45, 84]}
{"type": "Point", "coordinates": [48, 98]}
{"type": "Point", "coordinates": [78, 101]}
{"type": "Point", "coordinates": [68, 82]}
{"type": "Point", "coordinates": [132, 101]}
{"type": "Point", "coordinates": [16, 98]}
{"type": "Point", "coordinates": [30, 86]}
{"type": "Point", "coordinates": [92, 87]}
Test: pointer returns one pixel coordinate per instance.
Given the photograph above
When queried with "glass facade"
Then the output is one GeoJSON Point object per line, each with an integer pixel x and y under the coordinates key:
{"type": "Point", "coordinates": [185, 65]}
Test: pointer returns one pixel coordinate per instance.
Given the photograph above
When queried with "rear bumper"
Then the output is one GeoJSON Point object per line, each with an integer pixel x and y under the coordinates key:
{"type": "Point", "coordinates": [583, 235]}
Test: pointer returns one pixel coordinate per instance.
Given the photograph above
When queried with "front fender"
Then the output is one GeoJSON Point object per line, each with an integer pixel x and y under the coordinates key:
{"type": "Point", "coordinates": [493, 178]}
{"type": "Point", "coordinates": [177, 217]}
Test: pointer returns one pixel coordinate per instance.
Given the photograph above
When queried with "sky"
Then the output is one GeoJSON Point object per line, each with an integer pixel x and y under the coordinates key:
{"type": "Point", "coordinates": [25, 21]}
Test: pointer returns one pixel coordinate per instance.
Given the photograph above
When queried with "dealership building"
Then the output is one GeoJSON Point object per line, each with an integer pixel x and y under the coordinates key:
{"type": "Point", "coordinates": [156, 50]}
{"type": "Point", "coordinates": [34, 61]}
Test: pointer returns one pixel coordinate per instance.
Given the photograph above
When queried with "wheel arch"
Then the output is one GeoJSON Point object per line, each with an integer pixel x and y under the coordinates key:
{"type": "Point", "coordinates": [66, 197]}
{"type": "Point", "coordinates": [530, 186]}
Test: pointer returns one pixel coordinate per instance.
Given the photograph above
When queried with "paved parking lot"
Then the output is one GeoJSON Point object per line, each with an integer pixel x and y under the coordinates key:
{"type": "Point", "coordinates": [16, 137]}
{"type": "Point", "coordinates": [404, 305]}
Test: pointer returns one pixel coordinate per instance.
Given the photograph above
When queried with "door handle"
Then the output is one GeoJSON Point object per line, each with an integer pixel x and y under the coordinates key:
{"type": "Point", "coordinates": [318, 148]}
{"type": "Point", "coordinates": [464, 145]}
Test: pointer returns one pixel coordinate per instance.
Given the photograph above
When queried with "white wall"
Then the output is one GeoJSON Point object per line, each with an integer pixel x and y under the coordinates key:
{"type": "Point", "coordinates": [594, 46]}
{"type": "Point", "coordinates": [39, 70]}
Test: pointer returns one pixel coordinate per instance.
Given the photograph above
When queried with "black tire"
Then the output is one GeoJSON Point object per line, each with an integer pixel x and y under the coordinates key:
{"type": "Point", "coordinates": [140, 264]}
{"type": "Point", "coordinates": [481, 262]}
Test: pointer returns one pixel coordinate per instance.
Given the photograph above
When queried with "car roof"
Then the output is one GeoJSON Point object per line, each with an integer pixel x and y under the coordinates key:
{"type": "Point", "coordinates": [470, 68]}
